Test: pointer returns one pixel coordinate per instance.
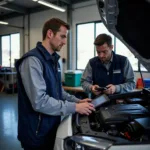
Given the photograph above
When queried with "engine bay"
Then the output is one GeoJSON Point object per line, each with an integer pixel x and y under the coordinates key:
{"type": "Point", "coordinates": [121, 121]}
{"type": "Point", "coordinates": [123, 118]}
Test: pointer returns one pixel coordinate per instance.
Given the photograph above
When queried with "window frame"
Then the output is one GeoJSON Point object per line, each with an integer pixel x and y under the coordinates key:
{"type": "Point", "coordinates": [114, 43]}
{"type": "Point", "coordinates": [10, 54]}
{"type": "Point", "coordinates": [77, 39]}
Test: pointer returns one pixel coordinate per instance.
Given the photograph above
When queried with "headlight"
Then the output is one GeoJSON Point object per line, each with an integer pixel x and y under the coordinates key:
{"type": "Point", "coordinates": [80, 142]}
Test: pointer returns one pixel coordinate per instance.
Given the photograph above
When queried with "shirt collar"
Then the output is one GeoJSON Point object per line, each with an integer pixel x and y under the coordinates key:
{"type": "Point", "coordinates": [46, 54]}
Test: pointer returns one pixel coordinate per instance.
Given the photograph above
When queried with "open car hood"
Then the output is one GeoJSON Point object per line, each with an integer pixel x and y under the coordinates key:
{"type": "Point", "coordinates": [129, 21]}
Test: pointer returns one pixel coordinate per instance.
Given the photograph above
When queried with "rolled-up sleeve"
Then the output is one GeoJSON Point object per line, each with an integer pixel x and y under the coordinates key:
{"type": "Point", "coordinates": [31, 71]}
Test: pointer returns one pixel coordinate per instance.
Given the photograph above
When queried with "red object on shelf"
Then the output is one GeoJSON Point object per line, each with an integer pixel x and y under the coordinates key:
{"type": "Point", "coordinates": [139, 83]}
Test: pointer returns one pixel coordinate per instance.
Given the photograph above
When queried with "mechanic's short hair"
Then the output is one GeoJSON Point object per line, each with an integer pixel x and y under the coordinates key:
{"type": "Point", "coordinates": [103, 38]}
{"type": "Point", "coordinates": [54, 24]}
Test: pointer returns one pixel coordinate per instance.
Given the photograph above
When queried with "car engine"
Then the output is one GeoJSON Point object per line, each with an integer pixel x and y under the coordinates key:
{"type": "Point", "coordinates": [122, 117]}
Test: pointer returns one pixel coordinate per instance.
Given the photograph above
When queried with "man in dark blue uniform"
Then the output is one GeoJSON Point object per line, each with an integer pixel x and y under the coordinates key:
{"type": "Point", "coordinates": [108, 70]}
{"type": "Point", "coordinates": [41, 98]}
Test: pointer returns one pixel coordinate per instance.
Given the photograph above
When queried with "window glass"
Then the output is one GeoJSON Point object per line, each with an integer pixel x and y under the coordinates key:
{"type": "Point", "coordinates": [10, 49]}
{"type": "Point", "coordinates": [5, 40]}
{"type": "Point", "coordinates": [143, 68]}
{"type": "Point", "coordinates": [15, 47]}
{"type": "Point", "coordinates": [100, 28]}
{"type": "Point", "coordinates": [123, 50]}
{"type": "Point", "coordinates": [85, 47]}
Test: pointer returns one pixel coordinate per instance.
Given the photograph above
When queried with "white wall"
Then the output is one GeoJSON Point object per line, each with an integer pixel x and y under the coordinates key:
{"type": "Point", "coordinates": [36, 24]}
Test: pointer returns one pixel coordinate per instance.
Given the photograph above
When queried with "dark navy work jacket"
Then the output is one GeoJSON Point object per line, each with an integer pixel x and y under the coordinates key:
{"type": "Point", "coordinates": [102, 77]}
{"type": "Point", "coordinates": [34, 128]}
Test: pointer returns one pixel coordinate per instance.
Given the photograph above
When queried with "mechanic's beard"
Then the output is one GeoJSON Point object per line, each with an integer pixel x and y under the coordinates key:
{"type": "Point", "coordinates": [103, 60]}
{"type": "Point", "coordinates": [56, 49]}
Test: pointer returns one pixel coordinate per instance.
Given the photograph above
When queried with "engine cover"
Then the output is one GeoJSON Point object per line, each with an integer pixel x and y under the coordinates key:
{"type": "Point", "coordinates": [120, 113]}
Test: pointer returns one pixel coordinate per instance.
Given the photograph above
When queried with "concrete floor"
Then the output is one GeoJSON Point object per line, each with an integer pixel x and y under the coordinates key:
{"type": "Point", "coordinates": [8, 122]}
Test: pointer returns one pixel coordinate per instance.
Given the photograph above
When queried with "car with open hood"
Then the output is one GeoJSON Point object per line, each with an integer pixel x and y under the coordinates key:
{"type": "Point", "coordinates": [121, 121]}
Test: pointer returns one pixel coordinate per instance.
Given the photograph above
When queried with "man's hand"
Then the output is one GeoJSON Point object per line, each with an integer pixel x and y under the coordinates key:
{"type": "Point", "coordinates": [84, 108]}
{"type": "Point", "coordinates": [94, 91]}
{"type": "Point", "coordinates": [85, 100]}
{"type": "Point", "coordinates": [111, 89]}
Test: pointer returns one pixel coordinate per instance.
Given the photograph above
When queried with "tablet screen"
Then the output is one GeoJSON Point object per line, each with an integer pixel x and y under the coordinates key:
{"type": "Point", "coordinates": [100, 100]}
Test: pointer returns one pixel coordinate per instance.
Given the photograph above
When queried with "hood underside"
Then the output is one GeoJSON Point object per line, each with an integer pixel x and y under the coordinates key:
{"type": "Point", "coordinates": [129, 21]}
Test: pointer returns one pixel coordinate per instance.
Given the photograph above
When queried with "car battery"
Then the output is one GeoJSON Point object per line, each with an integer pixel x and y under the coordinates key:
{"type": "Point", "coordinates": [120, 113]}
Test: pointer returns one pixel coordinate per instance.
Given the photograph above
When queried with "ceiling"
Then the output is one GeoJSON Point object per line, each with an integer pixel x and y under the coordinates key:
{"type": "Point", "coordinates": [14, 8]}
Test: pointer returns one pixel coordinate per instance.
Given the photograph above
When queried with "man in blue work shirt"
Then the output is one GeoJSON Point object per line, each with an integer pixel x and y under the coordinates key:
{"type": "Point", "coordinates": [41, 98]}
{"type": "Point", "coordinates": [107, 70]}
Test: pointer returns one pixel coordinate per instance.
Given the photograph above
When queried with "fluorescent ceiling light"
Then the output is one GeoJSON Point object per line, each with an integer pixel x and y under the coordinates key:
{"type": "Point", "coordinates": [50, 5]}
{"type": "Point", "coordinates": [2, 22]}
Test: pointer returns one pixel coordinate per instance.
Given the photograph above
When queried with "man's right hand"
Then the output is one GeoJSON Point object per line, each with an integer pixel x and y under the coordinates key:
{"type": "Point", "coordinates": [94, 90]}
{"type": "Point", "coordinates": [84, 108]}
